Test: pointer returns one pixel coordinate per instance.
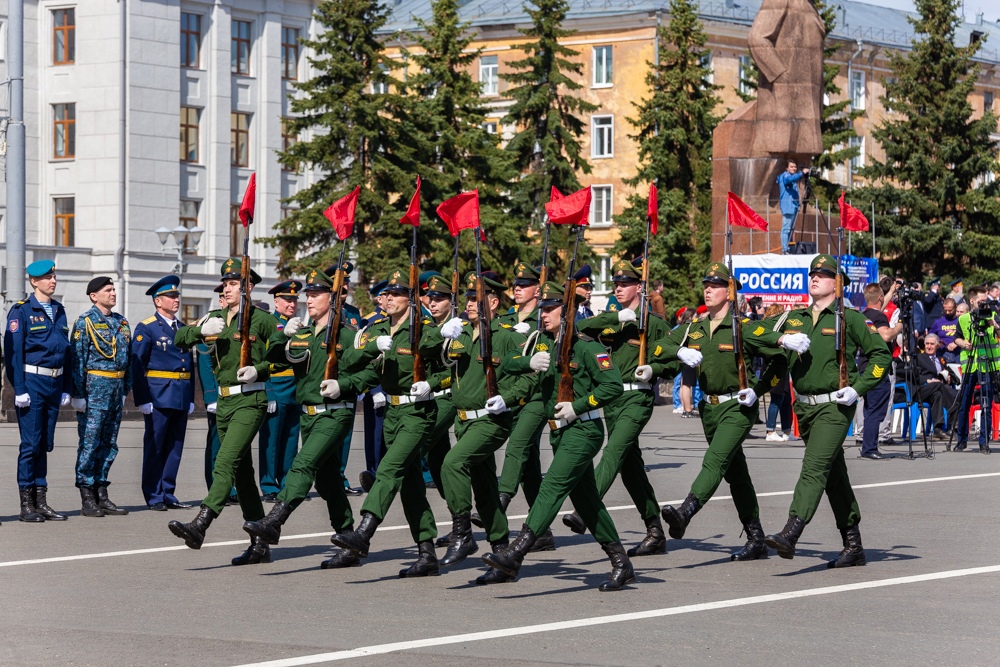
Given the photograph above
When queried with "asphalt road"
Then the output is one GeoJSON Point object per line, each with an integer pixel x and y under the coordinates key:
{"type": "Point", "coordinates": [124, 591]}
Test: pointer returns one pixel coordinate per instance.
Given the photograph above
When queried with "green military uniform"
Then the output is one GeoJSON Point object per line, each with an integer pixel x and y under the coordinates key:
{"type": "Point", "coordinates": [439, 377]}
{"type": "Point", "coordinates": [725, 420]}
{"type": "Point", "coordinates": [823, 422]}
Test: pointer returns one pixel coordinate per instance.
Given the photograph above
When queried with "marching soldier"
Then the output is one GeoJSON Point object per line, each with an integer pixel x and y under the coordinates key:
{"type": "Point", "coordinates": [576, 434]}
{"type": "Point", "coordinates": [242, 408]}
{"type": "Point", "coordinates": [374, 401]}
{"type": "Point", "coordinates": [825, 411]}
{"type": "Point", "coordinates": [102, 378]}
{"type": "Point", "coordinates": [438, 295]}
{"type": "Point", "coordinates": [164, 393]}
{"type": "Point", "coordinates": [727, 412]}
{"type": "Point", "coordinates": [38, 367]}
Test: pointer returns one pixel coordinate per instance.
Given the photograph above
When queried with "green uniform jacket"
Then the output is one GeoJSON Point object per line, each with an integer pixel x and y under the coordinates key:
{"type": "Point", "coordinates": [394, 371]}
{"type": "Point", "coordinates": [510, 319]}
{"type": "Point", "coordinates": [623, 341]}
{"type": "Point", "coordinates": [306, 351]}
{"type": "Point", "coordinates": [816, 371]}
{"type": "Point", "coordinates": [281, 386]}
{"type": "Point", "coordinates": [513, 317]}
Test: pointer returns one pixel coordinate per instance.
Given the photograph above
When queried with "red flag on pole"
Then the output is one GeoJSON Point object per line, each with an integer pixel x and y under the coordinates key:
{"type": "Point", "coordinates": [742, 215]}
{"type": "Point", "coordinates": [653, 210]}
{"type": "Point", "coordinates": [851, 218]}
{"type": "Point", "coordinates": [249, 201]}
{"type": "Point", "coordinates": [555, 194]}
{"type": "Point", "coordinates": [460, 212]}
{"type": "Point", "coordinates": [341, 213]}
{"type": "Point", "coordinates": [572, 209]}
{"type": "Point", "coordinates": [412, 216]}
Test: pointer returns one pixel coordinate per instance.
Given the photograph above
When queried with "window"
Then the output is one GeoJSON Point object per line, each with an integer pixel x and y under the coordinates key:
{"type": "Point", "coordinates": [859, 161]}
{"type": "Point", "coordinates": [190, 40]}
{"type": "Point", "coordinates": [64, 214]}
{"type": "Point", "coordinates": [63, 36]}
{"type": "Point", "coordinates": [239, 55]}
{"type": "Point", "coordinates": [288, 139]}
{"type": "Point", "coordinates": [857, 90]}
{"type": "Point", "coordinates": [491, 126]}
{"type": "Point", "coordinates": [190, 313]}
{"type": "Point", "coordinates": [63, 131]}
{"type": "Point", "coordinates": [380, 86]}
{"type": "Point", "coordinates": [605, 275]}
{"type": "Point", "coordinates": [602, 66]}
{"type": "Point", "coordinates": [746, 78]}
{"type": "Point", "coordinates": [237, 232]}
{"type": "Point", "coordinates": [189, 134]}
{"type": "Point", "coordinates": [239, 139]}
{"type": "Point", "coordinates": [600, 207]}
{"type": "Point", "coordinates": [189, 218]}
{"type": "Point", "coordinates": [489, 70]}
{"type": "Point", "coordinates": [602, 135]}
{"type": "Point", "coordinates": [987, 101]}
{"type": "Point", "coordinates": [706, 62]}
{"type": "Point", "coordinates": [289, 53]}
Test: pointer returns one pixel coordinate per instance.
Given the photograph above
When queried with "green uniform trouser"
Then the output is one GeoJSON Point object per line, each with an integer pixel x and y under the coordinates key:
{"type": "Point", "coordinates": [521, 463]}
{"type": "Point", "coordinates": [572, 474]}
{"type": "Point", "coordinates": [823, 428]}
{"type": "Point", "coordinates": [407, 430]}
{"type": "Point", "coordinates": [234, 464]}
{"type": "Point", "coordinates": [319, 460]}
{"type": "Point", "coordinates": [626, 417]}
{"type": "Point", "coordinates": [471, 467]}
{"type": "Point", "coordinates": [440, 441]}
{"type": "Point", "coordinates": [726, 427]}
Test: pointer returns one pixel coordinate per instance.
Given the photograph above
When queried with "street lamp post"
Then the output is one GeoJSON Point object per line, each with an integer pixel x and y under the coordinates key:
{"type": "Point", "coordinates": [180, 235]}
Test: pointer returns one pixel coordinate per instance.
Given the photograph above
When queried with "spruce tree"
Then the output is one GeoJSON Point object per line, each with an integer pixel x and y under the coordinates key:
{"type": "Point", "coordinates": [674, 130]}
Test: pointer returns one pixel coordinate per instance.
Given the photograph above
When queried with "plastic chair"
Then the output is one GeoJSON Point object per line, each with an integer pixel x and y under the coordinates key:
{"type": "Point", "coordinates": [911, 418]}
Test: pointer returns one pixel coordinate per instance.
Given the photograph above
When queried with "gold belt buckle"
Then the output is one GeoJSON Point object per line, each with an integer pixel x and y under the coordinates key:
{"type": "Point", "coordinates": [311, 410]}
{"type": "Point", "coordinates": [713, 400]}
{"type": "Point", "coordinates": [462, 415]}
{"type": "Point", "coordinates": [394, 400]}
{"type": "Point", "coordinates": [224, 392]}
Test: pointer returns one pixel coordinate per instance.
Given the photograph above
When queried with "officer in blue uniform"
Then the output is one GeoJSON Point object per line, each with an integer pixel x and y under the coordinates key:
{"type": "Point", "coordinates": [374, 401]}
{"type": "Point", "coordinates": [37, 362]}
{"type": "Point", "coordinates": [209, 392]}
{"type": "Point", "coordinates": [279, 436]}
{"type": "Point", "coordinates": [102, 378]}
{"type": "Point", "coordinates": [164, 392]}
{"type": "Point", "coordinates": [584, 287]}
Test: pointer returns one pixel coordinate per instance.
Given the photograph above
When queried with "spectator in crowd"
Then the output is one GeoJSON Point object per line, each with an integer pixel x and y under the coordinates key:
{"type": "Point", "coordinates": [934, 384]}
{"type": "Point", "coordinates": [945, 328]}
{"type": "Point", "coordinates": [656, 304]}
{"type": "Point", "coordinates": [962, 309]}
{"type": "Point", "coordinates": [957, 291]}
{"type": "Point", "coordinates": [933, 305]}
{"type": "Point", "coordinates": [994, 294]}
{"type": "Point", "coordinates": [889, 286]}
{"type": "Point", "coordinates": [878, 398]}
{"type": "Point", "coordinates": [781, 396]}
{"type": "Point", "coordinates": [788, 200]}
{"type": "Point", "coordinates": [980, 354]}
{"type": "Point", "coordinates": [689, 377]}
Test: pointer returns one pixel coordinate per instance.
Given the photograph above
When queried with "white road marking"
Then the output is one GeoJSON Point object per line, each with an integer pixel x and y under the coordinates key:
{"type": "Point", "coordinates": [395, 647]}
{"type": "Point", "coordinates": [304, 536]}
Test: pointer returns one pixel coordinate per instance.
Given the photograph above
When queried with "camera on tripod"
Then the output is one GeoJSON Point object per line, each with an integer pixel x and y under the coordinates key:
{"type": "Point", "coordinates": [985, 312]}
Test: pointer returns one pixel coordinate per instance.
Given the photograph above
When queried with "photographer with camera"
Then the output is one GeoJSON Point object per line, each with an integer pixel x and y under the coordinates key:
{"type": "Point", "coordinates": [788, 201]}
{"type": "Point", "coordinates": [980, 352]}
{"type": "Point", "coordinates": [934, 384]}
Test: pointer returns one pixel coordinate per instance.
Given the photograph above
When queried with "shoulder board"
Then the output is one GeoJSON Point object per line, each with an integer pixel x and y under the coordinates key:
{"type": "Point", "coordinates": [21, 302]}
{"type": "Point", "coordinates": [428, 321]}
{"type": "Point", "coordinates": [504, 325]}
{"type": "Point", "coordinates": [745, 320]}
{"type": "Point", "coordinates": [149, 320]}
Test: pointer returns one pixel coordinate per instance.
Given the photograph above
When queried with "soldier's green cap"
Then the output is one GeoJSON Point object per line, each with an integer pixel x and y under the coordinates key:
{"type": "Point", "coordinates": [398, 281]}
{"type": "Point", "coordinates": [233, 267]}
{"type": "Point", "coordinates": [718, 273]}
{"type": "Point", "coordinates": [525, 274]}
{"type": "Point", "coordinates": [317, 281]}
{"type": "Point", "coordinates": [437, 285]}
{"type": "Point", "coordinates": [624, 271]}
{"type": "Point", "coordinates": [829, 265]}
{"type": "Point", "coordinates": [492, 280]}
{"type": "Point", "coordinates": [552, 295]}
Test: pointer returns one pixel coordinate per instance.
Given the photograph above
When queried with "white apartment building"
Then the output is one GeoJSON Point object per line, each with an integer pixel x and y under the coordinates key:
{"type": "Point", "coordinates": [110, 85]}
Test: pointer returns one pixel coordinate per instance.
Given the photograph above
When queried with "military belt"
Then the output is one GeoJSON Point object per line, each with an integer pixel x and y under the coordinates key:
{"type": "Point", "coordinates": [404, 400]}
{"type": "Point", "coordinates": [556, 424]}
{"type": "Point", "coordinates": [816, 399]}
{"type": "Point", "coordinates": [41, 370]}
{"type": "Point", "coordinates": [313, 410]}
{"type": "Point", "coordinates": [721, 398]}
{"type": "Point", "coordinates": [117, 375]}
{"type": "Point", "coordinates": [443, 392]}
{"type": "Point", "coordinates": [638, 386]}
{"type": "Point", "coordinates": [168, 375]}
{"type": "Point", "coordinates": [469, 415]}
{"type": "Point", "coordinates": [241, 389]}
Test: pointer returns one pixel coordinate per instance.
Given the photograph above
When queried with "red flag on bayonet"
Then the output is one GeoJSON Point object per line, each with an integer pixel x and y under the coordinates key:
{"type": "Point", "coordinates": [341, 213]}
{"type": "Point", "coordinates": [249, 201]}
{"type": "Point", "coordinates": [572, 209]}
{"type": "Point", "coordinates": [653, 210]}
{"type": "Point", "coordinates": [555, 194]}
{"type": "Point", "coordinates": [412, 216]}
{"type": "Point", "coordinates": [460, 212]}
{"type": "Point", "coordinates": [742, 215]}
{"type": "Point", "coordinates": [851, 218]}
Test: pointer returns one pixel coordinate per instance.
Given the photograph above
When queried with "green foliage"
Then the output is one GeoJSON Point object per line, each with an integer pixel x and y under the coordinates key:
{"type": "Point", "coordinates": [746, 87]}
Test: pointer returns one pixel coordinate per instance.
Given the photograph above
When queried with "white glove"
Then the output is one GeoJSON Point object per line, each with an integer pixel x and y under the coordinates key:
{"type": "Point", "coordinates": [383, 343]}
{"type": "Point", "coordinates": [213, 326]}
{"type": "Point", "coordinates": [292, 326]}
{"type": "Point", "coordinates": [211, 407]}
{"type": "Point", "coordinates": [22, 400]}
{"type": "Point", "coordinates": [272, 407]}
{"type": "Point", "coordinates": [64, 400]}
{"type": "Point", "coordinates": [522, 328]}
{"type": "Point", "coordinates": [796, 342]}
{"type": "Point", "coordinates": [378, 400]}
{"type": "Point", "coordinates": [329, 389]}
{"type": "Point", "coordinates": [246, 375]}
{"type": "Point", "coordinates": [496, 405]}
{"type": "Point", "coordinates": [746, 397]}
{"type": "Point", "coordinates": [190, 408]}
{"type": "Point", "coordinates": [690, 357]}
{"type": "Point", "coordinates": [421, 390]}
{"type": "Point", "coordinates": [451, 329]}
{"type": "Point", "coordinates": [565, 411]}
{"type": "Point", "coordinates": [146, 408]}
{"type": "Point", "coordinates": [644, 373]}
{"type": "Point", "coordinates": [846, 396]}
{"type": "Point", "coordinates": [79, 404]}
{"type": "Point", "coordinates": [540, 361]}
{"type": "Point", "coordinates": [626, 315]}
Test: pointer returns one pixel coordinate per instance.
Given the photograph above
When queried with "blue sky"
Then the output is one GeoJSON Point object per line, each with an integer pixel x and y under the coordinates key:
{"type": "Point", "coordinates": [972, 7]}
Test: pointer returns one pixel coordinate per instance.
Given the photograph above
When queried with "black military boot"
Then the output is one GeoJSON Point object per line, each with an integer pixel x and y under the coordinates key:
{"type": "Point", "coordinates": [193, 533]}
{"type": "Point", "coordinates": [754, 549]}
{"type": "Point", "coordinates": [621, 568]}
{"type": "Point", "coordinates": [105, 503]}
{"type": "Point", "coordinates": [509, 560]}
{"type": "Point", "coordinates": [445, 540]}
{"type": "Point", "coordinates": [42, 505]}
{"type": "Point", "coordinates": [28, 512]}
{"type": "Point", "coordinates": [341, 558]}
{"type": "Point", "coordinates": [678, 518]}
{"type": "Point", "coordinates": [357, 541]}
{"type": "Point", "coordinates": [427, 562]}
{"type": "Point", "coordinates": [463, 544]}
{"type": "Point", "coordinates": [89, 500]}
{"type": "Point", "coordinates": [784, 542]}
{"type": "Point", "coordinates": [655, 541]}
{"type": "Point", "coordinates": [853, 553]}
{"type": "Point", "coordinates": [505, 499]}
{"type": "Point", "coordinates": [269, 528]}
{"type": "Point", "coordinates": [257, 552]}
{"type": "Point", "coordinates": [493, 575]}
{"type": "Point", "coordinates": [574, 523]}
